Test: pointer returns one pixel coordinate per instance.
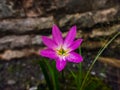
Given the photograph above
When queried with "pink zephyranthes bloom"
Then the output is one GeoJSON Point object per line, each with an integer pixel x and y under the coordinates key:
{"type": "Point", "coordinates": [62, 50]}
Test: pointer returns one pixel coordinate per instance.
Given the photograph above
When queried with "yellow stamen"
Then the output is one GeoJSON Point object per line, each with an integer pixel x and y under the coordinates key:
{"type": "Point", "coordinates": [62, 52]}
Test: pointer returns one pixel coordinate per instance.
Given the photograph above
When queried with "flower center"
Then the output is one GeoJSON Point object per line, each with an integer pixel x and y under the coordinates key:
{"type": "Point", "coordinates": [62, 52]}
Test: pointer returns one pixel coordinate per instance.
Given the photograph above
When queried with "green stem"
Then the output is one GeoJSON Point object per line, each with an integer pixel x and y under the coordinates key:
{"type": "Point", "coordinates": [79, 83]}
{"type": "Point", "coordinates": [55, 79]}
{"type": "Point", "coordinates": [79, 73]}
{"type": "Point", "coordinates": [96, 60]}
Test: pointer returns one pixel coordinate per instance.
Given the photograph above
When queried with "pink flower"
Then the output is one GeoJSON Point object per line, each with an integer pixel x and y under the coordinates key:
{"type": "Point", "coordinates": [62, 50]}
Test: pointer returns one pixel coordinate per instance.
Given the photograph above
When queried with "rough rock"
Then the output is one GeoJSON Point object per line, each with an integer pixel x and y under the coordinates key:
{"type": "Point", "coordinates": [12, 54]}
{"type": "Point", "coordinates": [105, 31]}
{"type": "Point", "coordinates": [35, 8]}
{"type": "Point", "coordinates": [26, 25]}
{"type": "Point", "coordinates": [89, 19]}
{"type": "Point", "coordinates": [7, 10]}
{"type": "Point", "coordinates": [110, 61]}
{"type": "Point", "coordinates": [12, 42]}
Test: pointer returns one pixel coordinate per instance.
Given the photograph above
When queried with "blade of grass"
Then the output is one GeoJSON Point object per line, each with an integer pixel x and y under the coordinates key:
{"type": "Point", "coordinates": [73, 74]}
{"type": "Point", "coordinates": [100, 52]}
{"type": "Point", "coordinates": [79, 78]}
{"type": "Point", "coordinates": [45, 72]}
{"type": "Point", "coordinates": [56, 80]}
{"type": "Point", "coordinates": [53, 74]}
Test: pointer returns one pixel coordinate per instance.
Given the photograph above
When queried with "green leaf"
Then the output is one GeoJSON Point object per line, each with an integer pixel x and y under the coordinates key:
{"type": "Point", "coordinates": [54, 75]}
{"type": "Point", "coordinates": [97, 56]}
{"type": "Point", "coordinates": [46, 75]}
{"type": "Point", "coordinates": [73, 74]}
{"type": "Point", "coordinates": [79, 76]}
{"type": "Point", "coordinates": [55, 78]}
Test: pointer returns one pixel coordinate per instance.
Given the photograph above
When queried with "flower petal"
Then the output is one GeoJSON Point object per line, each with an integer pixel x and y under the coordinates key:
{"type": "Point", "coordinates": [75, 44]}
{"type": "Point", "coordinates": [57, 35]}
{"type": "Point", "coordinates": [48, 42]}
{"type": "Point", "coordinates": [60, 64]}
{"type": "Point", "coordinates": [70, 36]}
{"type": "Point", "coordinates": [49, 53]}
{"type": "Point", "coordinates": [74, 57]}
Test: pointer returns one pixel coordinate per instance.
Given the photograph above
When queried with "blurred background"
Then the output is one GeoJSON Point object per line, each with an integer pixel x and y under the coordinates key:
{"type": "Point", "coordinates": [22, 22]}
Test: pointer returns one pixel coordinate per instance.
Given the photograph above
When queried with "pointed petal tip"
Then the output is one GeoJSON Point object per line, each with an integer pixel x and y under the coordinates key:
{"type": "Point", "coordinates": [43, 37]}
{"type": "Point", "coordinates": [54, 26]}
{"type": "Point", "coordinates": [75, 44]}
{"type": "Point", "coordinates": [57, 35]}
{"type": "Point", "coordinates": [80, 60]}
{"type": "Point", "coordinates": [80, 39]}
{"type": "Point", "coordinates": [59, 69]}
{"type": "Point", "coordinates": [40, 53]}
{"type": "Point", "coordinates": [74, 28]}
{"type": "Point", "coordinates": [70, 36]}
{"type": "Point", "coordinates": [60, 64]}
{"type": "Point", "coordinates": [48, 42]}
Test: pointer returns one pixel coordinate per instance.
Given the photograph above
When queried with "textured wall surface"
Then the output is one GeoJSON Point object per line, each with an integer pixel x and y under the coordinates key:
{"type": "Point", "coordinates": [23, 22]}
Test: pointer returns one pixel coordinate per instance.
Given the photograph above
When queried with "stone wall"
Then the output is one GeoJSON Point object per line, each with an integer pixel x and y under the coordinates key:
{"type": "Point", "coordinates": [22, 22]}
